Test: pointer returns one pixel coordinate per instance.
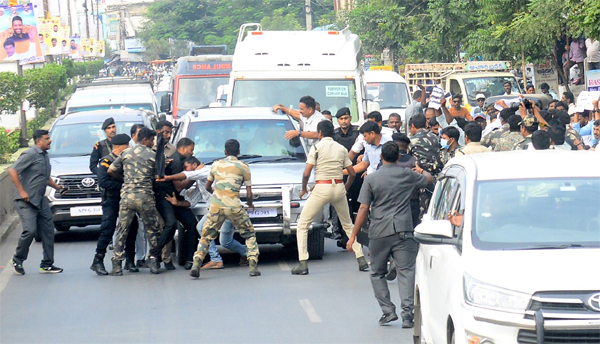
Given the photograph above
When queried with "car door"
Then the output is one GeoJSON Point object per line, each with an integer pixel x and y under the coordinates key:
{"type": "Point", "coordinates": [438, 259]}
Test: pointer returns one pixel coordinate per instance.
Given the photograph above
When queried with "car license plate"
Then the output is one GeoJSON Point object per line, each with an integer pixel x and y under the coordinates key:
{"type": "Point", "coordinates": [262, 212]}
{"type": "Point", "coordinates": [86, 211]}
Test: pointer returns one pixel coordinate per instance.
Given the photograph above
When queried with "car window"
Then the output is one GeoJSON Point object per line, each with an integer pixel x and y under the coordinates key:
{"type": "Point", "coordinates": [79, 139]}
{"type": "Point", "coordinates": [446, 199]}
{"type": "Point", "coordinates": [264, 138]}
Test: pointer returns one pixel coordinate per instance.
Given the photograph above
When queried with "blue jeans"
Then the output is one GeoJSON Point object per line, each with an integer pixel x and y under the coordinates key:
{"type": "Point", "coordinates": [226, 239]}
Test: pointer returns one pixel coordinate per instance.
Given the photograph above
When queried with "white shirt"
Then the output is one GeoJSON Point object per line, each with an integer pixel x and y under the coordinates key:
{"type": "Point", "coordinates": [442, 121]}
{"type": "Point", "coordinates": [310, 124]}
{"type": "Point", "coordinates": [360, 142]}
{"type": "Point", "coordinates": [593, 50]}
{"type": "Point", "coordinates": [197, 193]}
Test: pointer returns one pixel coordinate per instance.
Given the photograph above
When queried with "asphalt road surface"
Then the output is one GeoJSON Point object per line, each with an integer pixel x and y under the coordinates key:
{"type": "Point", "coordinates": [333, 304]}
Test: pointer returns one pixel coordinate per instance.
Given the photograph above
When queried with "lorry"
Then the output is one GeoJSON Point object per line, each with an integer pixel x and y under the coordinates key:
{"type": "Point", "coordinates": [388, 89]}
{"type": "Point", "coordinates": [195, 80]}
{"type": "Point", "coordinates": [467, 78]}
{"type": "Point", "coordinates": [280, 67]}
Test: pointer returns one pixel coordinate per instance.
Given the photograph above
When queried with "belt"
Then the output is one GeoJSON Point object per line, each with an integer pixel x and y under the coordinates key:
{"type": "Point", "coordinates": [330, 181]}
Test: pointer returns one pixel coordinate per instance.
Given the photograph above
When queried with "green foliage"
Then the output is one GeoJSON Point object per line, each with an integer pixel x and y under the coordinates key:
{"type": "Point", "coordinates": [44, 83]}
{"type": "Point", "coordinates": [584, 17]}
{"type": "Point", "coordinates": [9, 143]}
{"type": "Point", "coordinates": [13, 92]}
{"type": "Point", "coordinates": [37, 123]}
{"type": "Point", "coordinates": [281, 21]}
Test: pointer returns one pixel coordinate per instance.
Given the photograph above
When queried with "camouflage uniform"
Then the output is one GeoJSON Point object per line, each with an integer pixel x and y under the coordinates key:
{"type": "Point", "coordinates": [446, 155]}
{"type": "Point", "coordinates": [528, 121]}
{"type": "Point", "coordinates": [572, 135]}
{"type": "Point", "coordinates": [507, 141]}
{"type": "Point", "coordinates": [228, 175]}
{"type": "Point", "coordinates": [138, 166]}
{"type": "Point", "coordinates": [425, 147]}
{"type": "Point", "coordinates": [491, 139]}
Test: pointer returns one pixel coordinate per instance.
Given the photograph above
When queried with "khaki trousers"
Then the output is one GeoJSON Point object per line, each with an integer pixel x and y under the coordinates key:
{"type": "Point", "coordinates": [335, 194]}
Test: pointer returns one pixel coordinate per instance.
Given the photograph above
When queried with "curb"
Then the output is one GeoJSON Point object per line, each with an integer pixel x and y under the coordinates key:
{"type": "Point", "coordinates": [11, 222]}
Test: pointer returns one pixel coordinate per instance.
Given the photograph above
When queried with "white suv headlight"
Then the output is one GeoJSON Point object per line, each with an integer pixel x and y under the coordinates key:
{"type": "Point", "coordinates": [488, 296]}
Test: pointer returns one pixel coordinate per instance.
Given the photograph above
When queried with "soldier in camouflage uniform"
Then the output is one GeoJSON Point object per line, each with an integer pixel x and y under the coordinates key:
{"type": "Point", "coordinates": [529, 125]}
{"type": "Point", "coordinates": [491, 139]}
{"type": "Point", "coordinates": [228, 175]}
{"type": "Point", "coordinates": [507, 141]}
{"type": "Point", "coordinates": [425, 147]}
{"type": "Point", "coordinates": [138, 167]}
{"type": "Point", "coordinates": [449, 143]}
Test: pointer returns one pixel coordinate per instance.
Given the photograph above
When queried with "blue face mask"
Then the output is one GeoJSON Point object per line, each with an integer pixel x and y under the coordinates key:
{"type": "Point", "coordinates": [444, 143]}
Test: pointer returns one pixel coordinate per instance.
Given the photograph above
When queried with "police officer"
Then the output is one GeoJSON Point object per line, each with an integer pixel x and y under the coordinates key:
{"type": "Point", "coordinates": [137, 166]}
{"type": "Point", "coordinates": [111, 190]}
{"type": "Point", "coordinates": [228, 175]}
{"type": "Point", "coordinates": [104, 147]}
{"type": "Point", "coordinates": [328, 158]}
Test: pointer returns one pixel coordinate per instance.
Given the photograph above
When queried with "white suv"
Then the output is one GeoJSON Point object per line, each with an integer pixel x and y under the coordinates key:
{"type": "Point", "coordinates": [522, 266]}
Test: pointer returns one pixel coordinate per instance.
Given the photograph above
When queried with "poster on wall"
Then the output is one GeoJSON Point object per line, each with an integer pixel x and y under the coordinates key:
{"type": "Point", "coordinates": [19, 36]}
{"type": "Point", "coordinates": [100, 48]}
{"type": "Point", "coordinates": [546, 73]}
{"type": "Point", "coordinates": [88, 47]}
{"type": "Point", "coordinates": [74, 47]}
{"type": "Point", "coordinates": [51, 32]}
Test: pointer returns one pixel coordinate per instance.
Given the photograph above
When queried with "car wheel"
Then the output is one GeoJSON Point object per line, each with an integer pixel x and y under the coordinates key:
{"type": "Point", "coordinates": [62, 228]}
{"type": "Point", "coordinates": [316, 244]}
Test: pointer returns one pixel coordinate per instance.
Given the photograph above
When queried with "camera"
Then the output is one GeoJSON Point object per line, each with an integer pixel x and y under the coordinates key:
{"type": "Point", "coordinates": [528, 104]}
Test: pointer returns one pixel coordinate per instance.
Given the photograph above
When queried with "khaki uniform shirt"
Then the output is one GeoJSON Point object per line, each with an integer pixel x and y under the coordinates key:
{"type": "Point", "coordinates": [472, 148]}
{"type": "Point", "coordinates": [329, 159]}
{"type": "Point", "coordinates": [228, 176]}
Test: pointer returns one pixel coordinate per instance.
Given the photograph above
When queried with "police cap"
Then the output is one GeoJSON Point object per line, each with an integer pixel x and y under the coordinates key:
{"type": "Point", "coordinates": [121, 139]}
{"type": "Point", "coordinates": [342, 112]}
{"type": "Point", "coordinates": [108, 122]}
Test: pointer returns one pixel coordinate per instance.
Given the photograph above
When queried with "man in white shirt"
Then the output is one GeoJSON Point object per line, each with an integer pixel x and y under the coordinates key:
{"type": "Point", "coordinates": [309, 118]}
{"type": "Point", "coordinates": [360, 144]}
{"type": "Point", "coordinates": [593, 53]}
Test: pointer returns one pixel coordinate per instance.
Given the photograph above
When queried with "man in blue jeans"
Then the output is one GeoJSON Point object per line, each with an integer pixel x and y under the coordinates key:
{"type": "Point", "coordinates": [194, 170]}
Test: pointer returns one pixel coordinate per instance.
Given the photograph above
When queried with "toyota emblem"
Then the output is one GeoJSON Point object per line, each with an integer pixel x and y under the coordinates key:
{"type": "Point", "coordinates": [88, 182]}
{"type": "Point", "coordinates": [594, 302]}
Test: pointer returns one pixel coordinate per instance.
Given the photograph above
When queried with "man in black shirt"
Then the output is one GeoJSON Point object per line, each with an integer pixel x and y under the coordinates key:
{"type": "Point", "coordinates": [386, 192]}
{"type": "Point", "coordinates": [172, 214]}
{"type": "Point", "coordinates": [104, 147]}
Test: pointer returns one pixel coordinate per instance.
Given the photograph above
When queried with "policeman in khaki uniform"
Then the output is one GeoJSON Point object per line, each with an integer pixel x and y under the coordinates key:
{"type": "Point", "coordinates": [228, 175]}
{"type": "Point", "coordinates": [138, 168]}
{"type": "Point", "coordinates": [328, 158]}
{"type": "Point", "coordinates": [111, 195]}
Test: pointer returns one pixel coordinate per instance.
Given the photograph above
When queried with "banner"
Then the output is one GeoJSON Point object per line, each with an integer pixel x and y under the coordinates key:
{"type": "Point", "coordinates": [100, 48]}
{"type": "Point", "coordinates": [19, 36]}
{"type": "Point", "coordinates": [74, 47]}
{"type": "Point", "coordinates": [545, 73]}
{"type": "Point", "coordinates": [592, 78]}
{"type": "Point", "coordinates": [88, 47]}
{"type": "Point", "coordinates": [52, 32]}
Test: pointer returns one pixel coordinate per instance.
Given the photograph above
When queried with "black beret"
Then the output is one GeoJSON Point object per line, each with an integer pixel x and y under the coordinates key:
{"type": "Point", "coordinates": [108, 122]}
{"type": "Point", "coordinates": [121, 139]}
{"type": "Point", "coordinates": [342, 112]}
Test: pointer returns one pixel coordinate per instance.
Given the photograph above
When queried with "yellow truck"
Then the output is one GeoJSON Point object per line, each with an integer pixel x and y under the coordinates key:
{"type": "Point", "coordinates": [467, 78]}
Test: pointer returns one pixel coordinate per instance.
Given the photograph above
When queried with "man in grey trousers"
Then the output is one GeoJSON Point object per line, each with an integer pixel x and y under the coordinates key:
{"type": "Point", "coordinates": [387, 193]}
{"type": "Point", "coordinates": [31, 174]}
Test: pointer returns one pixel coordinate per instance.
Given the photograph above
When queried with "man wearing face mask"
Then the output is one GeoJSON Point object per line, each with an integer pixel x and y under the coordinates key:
{"type": "Point", "coordinates": [449, 143]}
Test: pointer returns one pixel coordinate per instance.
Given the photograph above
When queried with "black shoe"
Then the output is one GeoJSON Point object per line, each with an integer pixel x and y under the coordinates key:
{"type": "Point", "coordinates": [116, 268]}
{"type": "Point", "coordinates": [129, 265]}
{"type": "Point", "coordinates": [18, 268]}
{"type": "Point", "coordinates": [342, 243]}
{"type": "Point", "coordinates": [386, 318]}
{"type": "Point", "coordinates": [169, 266]}
{"type": "Point", "coordinates": [153, 265]}
{"type": "Point", "coordinates": [391, 275]}
{"type": "Point", "coordinates": [363, 265]}
{"type": "Point", "coordinates": [141, 264]}
{"type": "Point", "coordinates": [195, 272]}
{"type": "Point", "coordinates": [254, 269]}
{"type": "Point", "coordinates": [50, 270]}
{"type": "Point", "coordinates": [301, 269]}
{"type": "Point", "coordinates": [98, 265]}
{"type": "Point", "coordinates": [188, 265]}
{"type": "Point", "coordinates": [407, 323]}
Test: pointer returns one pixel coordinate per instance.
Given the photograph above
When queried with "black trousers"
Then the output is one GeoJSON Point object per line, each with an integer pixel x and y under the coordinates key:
{"type": "Point", "coordinates": [171, 215]}
{"type": "Point", "coordinates": [110, 213]}
{"type": "Point", "coordinates": [33, 220]}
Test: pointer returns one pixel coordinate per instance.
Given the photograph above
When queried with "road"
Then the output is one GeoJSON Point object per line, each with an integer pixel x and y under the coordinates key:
{"type": "Point", "coordinates": [333, 304]}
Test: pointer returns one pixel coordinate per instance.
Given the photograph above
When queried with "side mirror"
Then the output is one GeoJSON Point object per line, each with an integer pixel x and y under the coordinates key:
{"type": "Point", "coordinates": [373, 106]}
{"type": "Point", "coordinates": [165, 103]}
{"type": "Point", "coordinates": [441, 228]}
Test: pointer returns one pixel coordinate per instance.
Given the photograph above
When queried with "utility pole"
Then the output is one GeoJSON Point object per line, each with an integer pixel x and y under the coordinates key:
{"type": "Point", "coordinates": [308, 11]}
{"type": "Point", "coordinates": [23, 140]}
{"type": "Point", "coordinates": [97, 21]}
{"type": "Point", "coordinates": [69, 16]}
{"type": "Point", "coordinates": [87, 23]}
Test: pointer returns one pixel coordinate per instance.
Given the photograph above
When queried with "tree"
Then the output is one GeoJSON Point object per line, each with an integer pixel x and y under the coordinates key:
{"type": "Point", "coordinates": [584, 17]}
{"type": "Point", "coordinates": [280, 21]}
{"type": "Point", "coordinates": [14, 91]}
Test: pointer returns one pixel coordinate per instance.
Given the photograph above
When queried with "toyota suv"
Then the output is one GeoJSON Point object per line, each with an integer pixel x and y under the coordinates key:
{"type": "Point", "coordinates": [73, 137]}
{"type": "Point", "coordinates": [518, 262]}
{"type": "Point", "coordinates": [276, 165]}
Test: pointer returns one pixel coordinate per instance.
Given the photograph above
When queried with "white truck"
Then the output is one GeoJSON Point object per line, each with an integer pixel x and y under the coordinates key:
{"type": "Point", "coordinates": [279, 67]}
{"type": "Point", "coordinates": [388, 89]}
{"type": "Point", "coordinates": [469, 78]}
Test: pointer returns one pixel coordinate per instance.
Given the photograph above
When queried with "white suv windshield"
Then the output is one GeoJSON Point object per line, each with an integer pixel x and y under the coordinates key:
{"type": "Point", "coordinates": [489, 86]}
{"type": "Point", "coordinates": [332, 95]}
{"type": "Point", "coordinates": [79, 139]}
{"type": "Point", "coordinates": [262, 140]}
{"type": "Point", "coordinates": [537, 214]}
{"type": "Point", "coordinates": [198, 92]}
{"type": "Point", "coordinates": [389, 95]}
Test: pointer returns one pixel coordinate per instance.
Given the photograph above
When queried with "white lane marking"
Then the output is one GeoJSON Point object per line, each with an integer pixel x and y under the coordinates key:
{"type": "Point", "coordinates": [310, 311]}
{"type": "Point", "coordinates": [5, 275]}
{"type": "Point", "coordinates": [284, 266]}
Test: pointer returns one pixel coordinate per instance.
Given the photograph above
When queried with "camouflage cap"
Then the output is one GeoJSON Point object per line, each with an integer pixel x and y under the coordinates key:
{"type": "Point", "coordinates": [529, 121]}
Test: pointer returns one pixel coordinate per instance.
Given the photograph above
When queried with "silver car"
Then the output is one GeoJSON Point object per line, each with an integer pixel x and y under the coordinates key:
{"type": "Point", "coordinates": [276, 165]}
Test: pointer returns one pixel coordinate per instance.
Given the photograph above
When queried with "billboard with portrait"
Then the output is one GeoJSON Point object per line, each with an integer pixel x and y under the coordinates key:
{"type": "Point", "coordinates": [19, 38]}
{"type": "Point", "coordinates": [50, 34]}
{"type": "Point", "coordinates": [74, 47]}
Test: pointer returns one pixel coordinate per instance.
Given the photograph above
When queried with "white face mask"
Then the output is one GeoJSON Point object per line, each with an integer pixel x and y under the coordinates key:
{"type": "Point", "coordinates": [444, 143]}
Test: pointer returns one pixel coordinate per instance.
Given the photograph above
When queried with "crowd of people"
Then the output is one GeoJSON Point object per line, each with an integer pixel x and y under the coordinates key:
{"type": "Point", "coordinates": [387, 173]}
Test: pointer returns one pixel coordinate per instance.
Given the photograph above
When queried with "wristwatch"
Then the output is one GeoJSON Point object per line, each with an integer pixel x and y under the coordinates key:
{"type": "Point", "coordinates": [299, 132]}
